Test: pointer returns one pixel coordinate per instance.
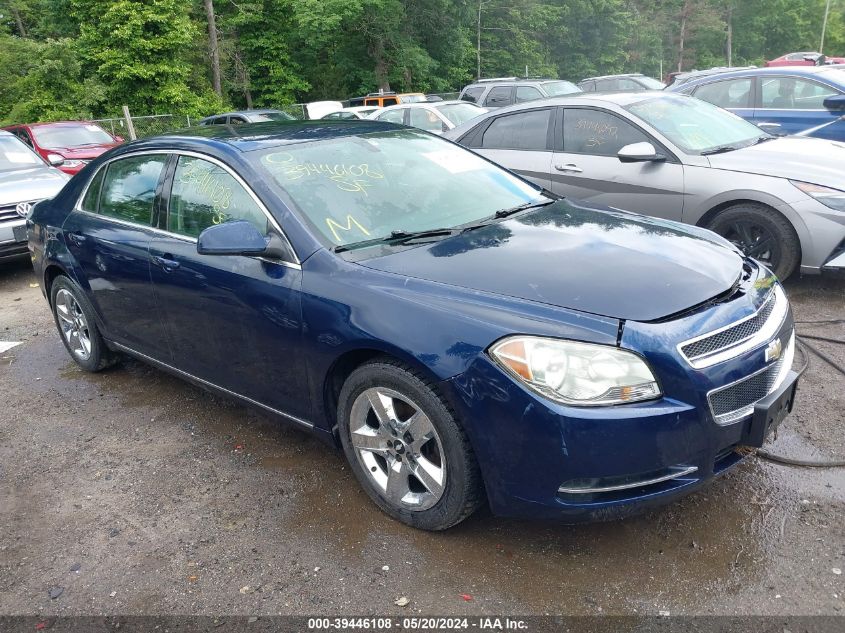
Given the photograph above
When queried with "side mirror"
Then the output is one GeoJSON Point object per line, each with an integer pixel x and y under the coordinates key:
{"type": "Point", "coordinates": [55, 160]}
{"type": "Point", "coordinates": [640, 153]}
{"type": "Point", "coordinates": [119, 139]}
{"type": "Point", "coordinates": [835, 102]}
{"type": "Point", "coordinates": [239, 237]}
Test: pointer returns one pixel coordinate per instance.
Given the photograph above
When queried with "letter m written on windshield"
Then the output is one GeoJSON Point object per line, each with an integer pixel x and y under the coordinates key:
{"type": "Point", "coordinates": [335, 226]}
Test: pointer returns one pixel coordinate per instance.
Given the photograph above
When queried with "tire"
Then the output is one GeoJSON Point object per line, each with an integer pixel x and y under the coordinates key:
{"type": "Point", "coordinates": [77, 326]}
{"type": "Point", "coordinates": [762, 233]}
{"type": "Point", "coordinates": [400, 443]}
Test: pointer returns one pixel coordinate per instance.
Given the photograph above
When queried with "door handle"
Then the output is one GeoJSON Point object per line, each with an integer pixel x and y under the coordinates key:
{"type": "Point", "coordinates": [77, 238]}
{"type": "Point", "coordinates": [570, 167]}
{"type": "Point", "coordinates": [765, 124]}
{"type": "Point", "coordinates": [166, 264]}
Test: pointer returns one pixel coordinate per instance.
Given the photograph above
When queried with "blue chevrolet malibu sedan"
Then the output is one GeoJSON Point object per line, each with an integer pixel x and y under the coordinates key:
{"type": "Point", "coordinates": [463, 335]}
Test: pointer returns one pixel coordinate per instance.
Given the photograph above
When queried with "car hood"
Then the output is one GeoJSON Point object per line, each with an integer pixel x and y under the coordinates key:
{"type": "Point", "coordinates": [25, 185]}
{"type": "Point", "coordinates": [86, 152]}
{"type": "Point", "coordinates": [608, 263]}
{"type": "Point", "coordinates": [813, 160]}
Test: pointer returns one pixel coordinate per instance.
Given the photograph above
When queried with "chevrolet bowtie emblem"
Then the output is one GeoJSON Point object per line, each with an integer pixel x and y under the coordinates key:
{"type": "Point", "coordinates": [773, 350]}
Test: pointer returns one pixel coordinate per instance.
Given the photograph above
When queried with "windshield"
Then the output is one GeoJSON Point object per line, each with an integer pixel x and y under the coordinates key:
{"type": "Point", "coordinates": [51, 137]}
{"type": "Point", "coordinates": [558, 88]}
{"type": "Point", "coordinates": [271, 116]}
{"type": "Point", "coordinates": [694, 125]}
{"type": "Point", "coordinates": [365, 187]}
{"type": "Point", "coordinates": [651, 84]}
{"type": "Point", "coordinates": [15, 155]}
{"type": "Point", "coordinates": [459, 113]}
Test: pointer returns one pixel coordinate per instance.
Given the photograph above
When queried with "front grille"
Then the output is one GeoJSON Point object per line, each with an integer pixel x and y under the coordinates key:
{"type": "Point", "coordinates": [736, 401]}
{"type": "Point", "coordinates": [740, 332]}
{"type": "Point", "coordinates": [8, 213]}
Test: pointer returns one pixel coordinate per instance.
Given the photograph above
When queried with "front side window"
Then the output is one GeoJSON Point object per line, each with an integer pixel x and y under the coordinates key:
{"type": "Point", "coordinates": [361, 188]}
{"type": "Point", "coordinates": [695, 126]}
{"type": "Point", "coordinates": [524, 130]}
{"type": "Point", "coordinates": [393, 116]}
{"type": "Point", "coordinates": [628, 84]}
{"type": "Point", "coordinates": [790, 93]}
{"type": "Point", "coordinates": [205, 194]}
{"type": "Point", "coordinates": [527, 93]}
{"type": "Point", "coordinates": [597, 132]}
{"type": "Point", "coordinates": [425, 119]}
{"type": "Point", "coordinates": [499, 96]}
{"type": "Point", "coordinates": [473, 94]}
{"type": "Point", "coordinates": [129, 188]}
{"type": "Point", "coordinates": [459, 113]}
{"type": "Point", "coordinates": [606, 85]}
{"type": "Point", "coordinates": [560, 88]}
{"type": "Point", "coordinates": [15, 155]}
{"type": "Point", "coordinates": [733, 93]}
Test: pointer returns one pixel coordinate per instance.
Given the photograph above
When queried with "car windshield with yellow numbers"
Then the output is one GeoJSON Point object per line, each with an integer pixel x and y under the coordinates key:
{"type": "Point", "coordinates": [357, 190]}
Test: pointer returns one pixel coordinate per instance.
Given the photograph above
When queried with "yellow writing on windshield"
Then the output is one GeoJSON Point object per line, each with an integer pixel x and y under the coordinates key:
{"type": "Point", "coordinates": [207, 181]}
{"type": "Point", "coordinates": [335, 226]}
{"type": "Point", "coordinates": [354, 178]}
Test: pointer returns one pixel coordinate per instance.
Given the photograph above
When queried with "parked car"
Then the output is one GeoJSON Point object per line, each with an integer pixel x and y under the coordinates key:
{"type": "Point", "coordinates": [68, 145]}
{"type": "Point", "coordinates": [462, 335]}
{"type": "Point", "coordinates": [384, 99]}
{"type": "Point", "coordinates": [676, 79]}
{"type": "Point", "coordinates": [505, 91]}
{"type": "Point", "coordinates": [25, 180]}
{"type": "Point", "coordinates": [318, 109]}
{"type": "Point", "coordinates": [436, 117]}
{"type": "Point", "coordinates": [620, 83]}
{"type": "Point", "coordinates": [779, 100]}
{"type": "Point", "coordinates": [804, 59]}
{"type": "Point", "coordinates": [246, 116]}
{"type": "Point", "coordinates": [350, 114]}
{"type": "Point", "coordinates": [780, 200]}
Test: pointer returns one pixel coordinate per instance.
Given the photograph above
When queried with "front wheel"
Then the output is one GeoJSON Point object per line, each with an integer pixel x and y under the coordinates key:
{"type": "Point", "coordinates": [762, 233]}
{"type": "Point", "coordinates": [406, 448]}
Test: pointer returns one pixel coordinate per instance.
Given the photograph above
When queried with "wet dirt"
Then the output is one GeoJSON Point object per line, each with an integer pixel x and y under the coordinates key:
{"type": "Point", "coordinates": [138, 493]}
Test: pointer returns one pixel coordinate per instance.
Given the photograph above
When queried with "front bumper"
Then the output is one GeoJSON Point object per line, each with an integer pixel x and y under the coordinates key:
{"type": "Point", "coordinates": [823, 242]}
{"type": "Point", "coordinates": [540, 459]}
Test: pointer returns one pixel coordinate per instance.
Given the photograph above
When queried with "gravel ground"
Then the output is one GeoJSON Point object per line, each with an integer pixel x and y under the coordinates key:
{"type": "Point", "coordinates": [132, 492]}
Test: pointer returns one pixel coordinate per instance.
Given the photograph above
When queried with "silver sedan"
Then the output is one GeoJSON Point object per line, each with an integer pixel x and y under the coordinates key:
{"type": "Point", "coordinates": [780, 199]}
{"type": "Point", "coordinates": [435, 117]}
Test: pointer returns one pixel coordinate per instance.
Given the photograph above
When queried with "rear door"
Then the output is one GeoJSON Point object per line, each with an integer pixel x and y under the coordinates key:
{"type": "Point", "coordinates": [789, 104]}
{"type": "Point", "coordinates": [108, 235]}
{"type": "Point", "coordinates": [736, 95]}
{"type": "Point", "coordinates": [233, 321]}
{"type": "Point", "coordinates": [520, 141]}
{"type": "Point", "coordinates": [585, 166]}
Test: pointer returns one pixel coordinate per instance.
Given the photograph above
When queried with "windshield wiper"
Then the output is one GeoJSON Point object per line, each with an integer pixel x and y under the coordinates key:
{"type": "Point", "coordinates": [503, 213]}
{"type": "Point", "coordinates": [396, 237]}
{"type": "Point", "coordinates": [763, 139]}
{"type": "Point", "coordinates": [719, 150]}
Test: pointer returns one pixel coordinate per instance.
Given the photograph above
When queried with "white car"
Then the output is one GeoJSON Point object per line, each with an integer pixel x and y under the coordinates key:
{"type": "Point", "coordinates": [350, 114]}
{"type": "Point", "coordinates": [435, 117]}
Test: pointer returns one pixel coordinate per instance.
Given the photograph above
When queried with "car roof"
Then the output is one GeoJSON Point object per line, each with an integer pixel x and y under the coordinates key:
{"type": "Point", "coordinates": [251, 136]}
{"type": "Point", "coordinates": [613, 76]}
{"type": "Point", "coordinates": [798, 71]}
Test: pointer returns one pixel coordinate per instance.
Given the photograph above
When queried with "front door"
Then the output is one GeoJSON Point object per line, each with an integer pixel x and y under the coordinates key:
{"type": "Point", "coordinates": [789, 105]}
{"type": "Point", "coordinates": [588, 168]}
{"type": "Point", "coordinates": [233, 321]}
{"type": "Point", "coordinates": [108, 236]}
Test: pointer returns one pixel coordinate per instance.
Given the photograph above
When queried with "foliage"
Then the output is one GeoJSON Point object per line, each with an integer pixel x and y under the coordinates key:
{"type": "Point", "coordinates": [87, 58]}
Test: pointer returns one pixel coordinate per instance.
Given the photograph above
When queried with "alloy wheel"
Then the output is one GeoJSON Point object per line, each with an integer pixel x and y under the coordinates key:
{"type": "Point", "coordinates": [754, 240]}
{"type": "Point", "coordinates": [399, 448]}
{"type": "Point", "coordinates": [73, 324]}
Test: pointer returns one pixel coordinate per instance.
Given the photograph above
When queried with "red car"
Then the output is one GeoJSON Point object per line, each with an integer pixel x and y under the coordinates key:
{"type": "Point", "coordinates": [68, 145]}
{"type": "Point", "coordinates": [805, 59]}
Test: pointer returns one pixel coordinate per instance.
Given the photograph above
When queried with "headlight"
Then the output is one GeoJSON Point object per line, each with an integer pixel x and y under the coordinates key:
{"type": "Point", "coordinates": [582, 374]}
{"type": "Point", "coordinates": [832, 198]}
{"type": "Point", "coordinates": [72, 163]}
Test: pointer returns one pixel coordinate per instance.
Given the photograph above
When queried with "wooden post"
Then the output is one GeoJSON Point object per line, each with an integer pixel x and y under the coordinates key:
{"type": "Point", "coordinates": [130, 127]}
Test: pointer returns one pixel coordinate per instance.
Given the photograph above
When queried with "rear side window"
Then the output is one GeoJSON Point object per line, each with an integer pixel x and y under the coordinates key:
{"type": "Point", "coordinates": [527, 93]}
{"type": "Point", "coordinates": [389, 101]}
{"type": "Point", "coordinates": [499, 96]}
{"type": "Point", "coordinates": [92, 194]}
{"type": "Point", "coordinates": [726, 94]}
{"type": "Point", "coordinates": [523, 130]}
{"type": "Point", "coordinates": [205, 194]}
{"type": "Point", "coordinates": [598, 133]}
{"type": "Point", "coordinates": [426, 120]}
{"type": "Point", "coordinates": [473, 94]}
{"type": "Point", "coordinates": [606, 85]}
{"type": "Point", "coordinates": [129, 188]}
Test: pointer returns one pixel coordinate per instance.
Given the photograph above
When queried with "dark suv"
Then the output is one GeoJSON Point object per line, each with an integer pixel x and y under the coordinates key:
{"type": "Point", "coordinates": [505, 91]}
